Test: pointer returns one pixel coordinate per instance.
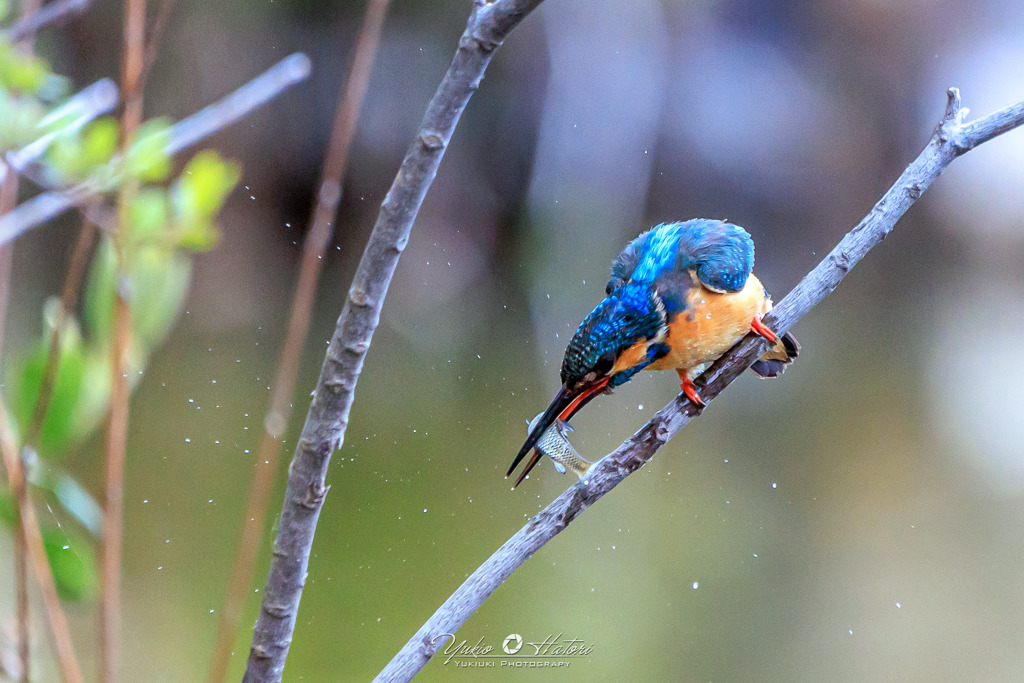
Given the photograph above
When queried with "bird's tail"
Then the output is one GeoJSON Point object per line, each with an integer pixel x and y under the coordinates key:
{"type": "Point", "coordinates": [773, 363]}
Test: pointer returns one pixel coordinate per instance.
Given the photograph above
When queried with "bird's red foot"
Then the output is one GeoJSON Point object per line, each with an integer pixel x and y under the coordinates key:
{"type": "Point", "coordinates": [758, 327]}
{"type": "Point", "coordinates": [691, 391]}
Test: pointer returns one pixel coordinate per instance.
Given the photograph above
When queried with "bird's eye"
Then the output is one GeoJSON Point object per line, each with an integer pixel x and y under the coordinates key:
{"type": "Point", "coordinates": [604, 364]}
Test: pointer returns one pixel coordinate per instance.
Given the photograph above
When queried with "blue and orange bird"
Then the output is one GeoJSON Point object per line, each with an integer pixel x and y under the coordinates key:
{"type": "Point", "coordinates": [680, 295]}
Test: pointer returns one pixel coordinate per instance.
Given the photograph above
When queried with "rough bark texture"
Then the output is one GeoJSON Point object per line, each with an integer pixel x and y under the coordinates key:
{"type": "Point", "coordinates": [327, 420]}
{"type": "Point", "coordinates": [952, 138]}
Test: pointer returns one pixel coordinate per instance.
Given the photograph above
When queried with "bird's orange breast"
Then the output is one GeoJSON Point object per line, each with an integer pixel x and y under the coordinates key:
{"type": "Point", "coordinates": [711, 324]}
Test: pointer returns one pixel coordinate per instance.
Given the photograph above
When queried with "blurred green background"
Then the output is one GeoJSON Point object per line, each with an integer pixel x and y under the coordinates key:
{"type": "Point", "coordinates": [860, 519]}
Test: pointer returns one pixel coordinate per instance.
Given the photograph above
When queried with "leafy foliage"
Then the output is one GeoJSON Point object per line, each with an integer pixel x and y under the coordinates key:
{"type": "Point", "coordinates": [146, 259]}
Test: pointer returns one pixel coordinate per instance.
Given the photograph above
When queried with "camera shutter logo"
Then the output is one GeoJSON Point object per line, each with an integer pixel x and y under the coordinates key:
{"type": "Point", "coordinates": [513, 644]}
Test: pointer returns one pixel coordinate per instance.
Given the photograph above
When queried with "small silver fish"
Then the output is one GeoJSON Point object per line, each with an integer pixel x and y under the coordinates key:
{"type": "Point", "coordinates": [555, 444]}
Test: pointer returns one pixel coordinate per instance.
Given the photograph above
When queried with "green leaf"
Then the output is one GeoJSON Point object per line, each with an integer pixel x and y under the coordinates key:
{"type": "Point", "coordinates": [71, 495]}
{"type": "Point", "coordinates": [79, 503]}
{"type": "Point", "coordinates": [204, 184]}
{"type": "Point", "coordinates": [198, 195]}
{"type": "Point", "coordinates": [147, 159]}
{"type": "Point", "coordinates": [73, 563]}
{"type": "Point", "coordinates": [79, 155]}
{"type": "Point", "coordinates": [100, 290]}
{"type": "Point", "coordinates": [7, 509]}
{"type": "Point", "coordinates": [148, 212]}
{"type": "Point", "coordinates": [19, 119]}
{"type": "Point", "coordinates": [156, 279]}
{"type": "Point", "coordinates": [58, 428]}
{"type": "Point", "coordinates": [21, 71]}
{"type": "Point", "coordinates": [159, 283]}
{"type": "Point", "coordinates": [99, 141]}
{"type": "Point", "coordinates": [199, 235]}
{"type": "Point", "coordinates": [95, 392]}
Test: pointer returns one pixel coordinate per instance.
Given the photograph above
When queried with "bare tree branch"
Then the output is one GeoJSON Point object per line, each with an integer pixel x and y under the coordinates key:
{"type": "Point", "coordinates": [33, 539]}
{"type": "Point", "coordinates": [8, 200]}
{"type": "Point", "coordinates": [187, 132]}
{"type": "Point", "coordinates": [324, 430]}
{"type": "Point", "coordinates": [44, 16]}
{"type": "Point", "coordinates": [317, 239]}
{"type": "Point", "coordinates": [951, 139]}
{"type": "Point", "coordinates": [111, 541]}
{"type": "Point", "coordinates": [85, 105]}
{"type": "Point", "coordinates": [156, 35]}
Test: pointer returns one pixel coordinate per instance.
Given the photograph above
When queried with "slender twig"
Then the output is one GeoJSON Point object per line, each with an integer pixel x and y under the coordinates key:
{"type": "Point", "coordinates": [44, 16]}
{"type": "Point", "coordinates": [292, 69]}
{"type": "Point", "coordinates": [21, 582]}
{"type": "Point", "coordinates": [276, 421]}
{"type": "Point", "coordinates": [113, 509]}
{"type": "Point", "coordinates": [85, 105]}
{"type": "Point", "coordinates": [327, 419]}
{"type": "Point", "coordinates": [156, 34]}
{"type": "Point", "coordinates": [132, 63]}
{"type": "Point", "coordinates": [117, 427]}
{"type": "Point", "coordinates": [8, 200]}
{"type": "Point", "coordinates": [951, 139]}
{"type": "Point", "coordinates": [68, 297]}
{"type": "Point", "coordinates": [187, 132]}
{"type": "Point", "coordinates": [37, 554]}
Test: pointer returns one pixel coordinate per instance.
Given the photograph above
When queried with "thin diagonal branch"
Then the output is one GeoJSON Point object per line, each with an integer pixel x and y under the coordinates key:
{"type": "Point", "coordinates": [44, 16]}
{"type": "Point", "coordinates": [8, 200]}
{"type": "Point", "coordinates": [276, 420]}
{"type": "Point", "coordinates": [68, 297]}
{"type": "Point", "coordinates": [324, 430]}
{"type": "Point", "coordinates": [37, 553]}
{"type": "Point", "coordinates": [47, 205]}
{"type": "Point", "coordinates": [85, 105]}
{"type": "Point", "coordinates": [951, 139]}
{"type": "Point", "coordinates": [156, 35]}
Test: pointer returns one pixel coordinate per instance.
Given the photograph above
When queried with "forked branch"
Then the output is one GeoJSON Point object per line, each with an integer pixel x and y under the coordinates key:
{"type": "Point", "coordinates": [952, 138]}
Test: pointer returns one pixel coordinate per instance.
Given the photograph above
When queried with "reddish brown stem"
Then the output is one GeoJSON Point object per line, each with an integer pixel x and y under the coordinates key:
{"type": "Point", "coordinates": [117, 428]}
{"type": "Point", "coordinates": [276, 420]}
{"type": "Point", "coordinates": [156, 35]}
{"type": "Point", "coordinates": [117, 436]}
{"type": "Point", "coordinates": [8, 200]}
{"type": "Point", "coordinates": [33, 539]}
{"type": "Point", "coordinates": [132, 65]}
{"type": "Point", "coordinates": [68, 297]}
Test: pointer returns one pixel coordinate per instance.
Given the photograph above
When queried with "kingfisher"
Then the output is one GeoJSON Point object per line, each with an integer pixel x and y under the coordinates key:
{"type": "Point", "coordinates": [680, 295]}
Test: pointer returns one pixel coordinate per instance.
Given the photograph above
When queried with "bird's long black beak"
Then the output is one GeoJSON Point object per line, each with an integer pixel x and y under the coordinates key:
{"type": "Point", "coordinates": [567, 402]}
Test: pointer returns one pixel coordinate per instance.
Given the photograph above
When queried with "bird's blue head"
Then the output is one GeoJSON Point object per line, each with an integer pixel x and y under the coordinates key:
{"type": "Point", "coordinates": [630, 315]}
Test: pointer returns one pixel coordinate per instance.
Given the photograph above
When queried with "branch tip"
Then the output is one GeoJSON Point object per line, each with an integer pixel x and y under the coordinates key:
{"type": "Point", "coordinates": [641, 446]}
{"type": "Point", "coordinates": [952, 104]}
